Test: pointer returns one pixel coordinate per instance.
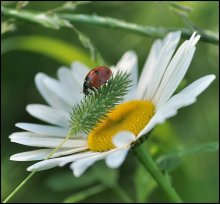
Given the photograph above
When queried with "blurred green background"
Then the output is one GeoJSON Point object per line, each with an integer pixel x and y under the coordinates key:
{"type": "Point", "coordinates": [195, 178]}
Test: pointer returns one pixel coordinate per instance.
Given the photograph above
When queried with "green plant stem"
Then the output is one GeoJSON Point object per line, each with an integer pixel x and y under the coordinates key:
{"type": "Point", "coordinates": [84, 194]}
{"type": "Point", "coordinates": [149, 31]}
{"type": "Point", "coordinates": [149, 164]}
{"type": "Point", "coordinates": [33, 172]}
{"type": "Point", "coordinates": [115, 24]}
{"type": "Point", "coordinates": [20, 185]}
{"type": "Point", "coordinates": [58, 147]}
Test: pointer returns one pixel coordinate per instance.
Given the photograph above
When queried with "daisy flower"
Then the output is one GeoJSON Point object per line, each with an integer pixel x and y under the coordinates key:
{"type": "Point", "coordinates": [149, 102]}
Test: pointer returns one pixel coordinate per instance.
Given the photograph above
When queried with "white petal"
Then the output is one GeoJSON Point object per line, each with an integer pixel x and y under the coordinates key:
{"type": "Point", "coordinates": [186, 97]}
{"type": "Point", "coordinates": [156, 119]}
{"type": "Point", "coordinates": [123, 139]}
{"type": "Point", "coordinates": [51, 163]}
{"type": "Point", "coordinates": [79, 71]}
{"type": "Point", "coordinates": [170, 43]}
{"type": "Point", "coordinates": [80, 166]}
{"type": "Point", "coordinates": [48, 114]}
{"type": "Point", "coordinates": [114, 69]}
{"type": "Point", "coordinates": [170, 85]}
{"type": "Point", "coordinates": [77, 157]}
{"type": "Point", "coordinates": [193, 40]}
{"type": "Point", "coordinates": [147, 72]}
{"type": "Point", "coordinates": [155, 66]}
{"type": "Point", "coordinates": [62, 92]}
{"type": "Point", "coordinates": [51, 98]}
{"type": "Point", "coordinates": [129, 63]}
{"type": "Point", "coordinates": [115, 159]}
{"type": "Point", "coordinates": [43, 129]}
{"type": "Point", "coordinates": [45, 164]}
{"type": "Point", "coordinates": [43, 153]}
{"type": "Point", "coordinates": [44, 141]}
{"type": "Point", "coordinates": [25, 134]}
{"type": "Point", "coordinates": [198, 86]}
{"type": "Point", "coordinates": [175, 71]}
{"type": "Point", "coordinates": [67, 78]}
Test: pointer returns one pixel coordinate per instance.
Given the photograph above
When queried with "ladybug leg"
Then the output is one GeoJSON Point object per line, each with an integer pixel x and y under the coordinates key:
{"type": "Point", "coordinates": [86, 92]}
{"type": "Point", "coordinates": [108, 82]}
{"type": "Point", "coordinates": [85, 87]}
{"type": "Point", "coordinates": [89, 90]}
{"type": "Point", "coordinates": [93, 89]}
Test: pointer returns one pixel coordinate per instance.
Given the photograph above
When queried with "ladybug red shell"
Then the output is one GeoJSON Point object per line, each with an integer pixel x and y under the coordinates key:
{"type": "Point", "coordinates": [96, 78]}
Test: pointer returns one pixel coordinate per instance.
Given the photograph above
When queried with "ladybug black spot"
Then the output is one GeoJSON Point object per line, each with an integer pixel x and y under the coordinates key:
{"type": "Point", "coordinates": [97, 72]}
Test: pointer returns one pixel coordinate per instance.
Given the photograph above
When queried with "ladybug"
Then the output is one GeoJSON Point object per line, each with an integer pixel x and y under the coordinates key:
{"type": "Point", "coordinates": [96, 78]}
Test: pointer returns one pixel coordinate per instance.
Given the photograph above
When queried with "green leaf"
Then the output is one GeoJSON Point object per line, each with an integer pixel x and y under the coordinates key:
{"type": "Point", "coordinates": [210, 147]}
{"type": "Point", "coordinates": [144, 184]}
{"type": "Point", "coordinates": [172, 160]}
{"type": "Point", "coordinates": [51, 47]}
{"type": "Point", "coordinates": [85, 193]}
{"type": "Point", "coordinates": [169, 162]}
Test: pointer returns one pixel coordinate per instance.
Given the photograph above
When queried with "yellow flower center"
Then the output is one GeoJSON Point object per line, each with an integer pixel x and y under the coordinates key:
{"type": "Point", "coordinates": [131, 116]}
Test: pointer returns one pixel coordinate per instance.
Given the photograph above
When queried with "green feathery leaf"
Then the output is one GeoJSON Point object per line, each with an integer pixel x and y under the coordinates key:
{"type": "Point", "coordinates": [93, 108]}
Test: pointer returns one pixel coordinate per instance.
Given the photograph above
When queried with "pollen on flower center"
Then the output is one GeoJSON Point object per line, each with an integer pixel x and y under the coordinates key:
{"type": "Point", "coordinates": [130, 116]}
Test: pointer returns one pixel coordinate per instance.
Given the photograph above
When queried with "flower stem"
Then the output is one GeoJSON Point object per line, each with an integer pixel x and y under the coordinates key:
{"type": "Point", "coordinates": [149, 31]}
{"type": "Point", "coordinates": [77, 197]}
{"type": "Point", "coordinates": [58, 147]}
{"type": "Point", "coordinates": [62, 20]}
{"type": "Point", "coordinates": [149, 164]}
{"type": "Point", "coordinates": [20, 185]}
{"type": "Point", "coordinates": [33, 172]}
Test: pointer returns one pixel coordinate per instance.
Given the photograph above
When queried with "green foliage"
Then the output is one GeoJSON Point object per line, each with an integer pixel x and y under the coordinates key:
{"type": "Point", "coordinates": [180, 7]}
{"type": "Point", "coordinates": [43, 19]}
{"type": "Point", "coordinates": [172, 160]}
{"type": "Point", "coordinates": [51, 20]}
{"type": "Point", "coordinates": [65, 181]}
{"type": "Point", "coordinates": [84, 194]}
{"type": "Point", "coordinates": [90, 111]}
{"type": "Point", "coordinates": [54, 48]}
{"type": "Point", "coordinates": [93, 182]}
{"type": "Point", "coordinates": [21, 4]}
{"type": "Point", "coordinates": [68, 6]}
{"type": "Point", "coordinates": [7, 26]}
{"type": "Point", "coordinates": [144, 184]}
{"type": "Point", "coordinates": [55, 21]}
{"type": "Point", "coordinates": [182, 12]}
{"type": "Point", "coordinates": [87, 43]}
{"type": "Point", "coordinates": [150, 165]}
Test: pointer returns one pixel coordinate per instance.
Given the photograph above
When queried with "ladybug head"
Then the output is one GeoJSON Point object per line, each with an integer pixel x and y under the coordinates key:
{"type": "Point", "coordinates": [86, 86]}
